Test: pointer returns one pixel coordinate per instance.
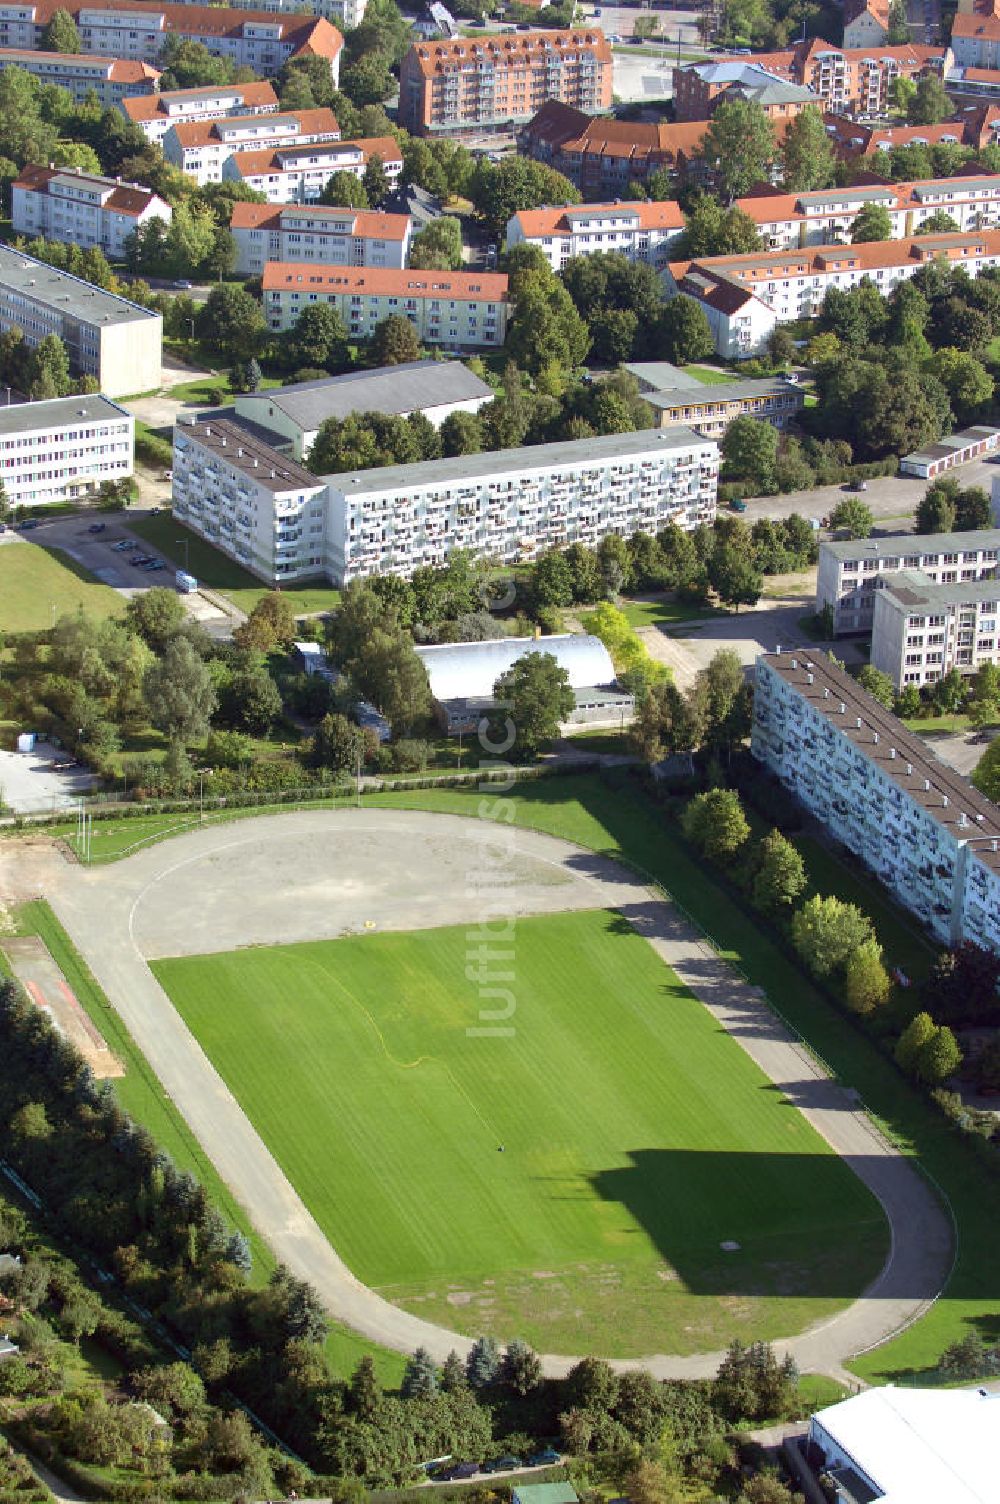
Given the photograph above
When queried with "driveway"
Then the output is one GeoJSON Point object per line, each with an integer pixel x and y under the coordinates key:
{"type": "Point", "coordinates": [888, 496]}
{"type": "Point", "coordinates": [216, 884]}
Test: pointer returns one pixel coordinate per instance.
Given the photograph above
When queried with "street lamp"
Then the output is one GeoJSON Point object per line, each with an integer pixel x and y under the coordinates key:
{"type": "Point", "coordinates": [201, 794]}
{"type": "Point", "coordinates": [186, 545]}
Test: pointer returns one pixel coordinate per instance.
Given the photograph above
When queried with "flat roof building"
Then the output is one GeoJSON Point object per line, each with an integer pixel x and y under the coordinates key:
{"type": "Point", "coordinates": [850, 573]}
{"type": "Point", "coordinates": [294, 414]}
{"type": "Point", "coordinates": [921, 631]}
{"type": "Point", "coordinates": [63, 449]}
{"type": "Point", "coordinates": [107, 337]}
{"type": "Point", "coordinates": [929, 837]}
{"type": "Point", "coordinates": [318, 233]}
{"type": "Point", "coordinates": [951, 450]}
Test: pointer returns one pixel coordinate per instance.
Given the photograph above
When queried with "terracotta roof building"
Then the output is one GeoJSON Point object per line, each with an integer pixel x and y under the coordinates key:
{"type": "Point", "coordinates": [602, 156]}
{"type": "Point", "coordinates": [866, 23]}
{"type": "Point", "coordinates": [80, 209]}
{"type": "Point", "coordinates": [643, 231]}
{"type": "Point", "coordinates": [826, 215]}
{"type": "Point", "coordinates": [202, 147]}
{"type": "Point", "coordinates": [467, 84]}
{"type": "Point", "coordinates": [318, 233]}
{"type": "Point", "coordinates": [156, 114]}
{"type": "Point", "coordinates": [111, 78]}
{"type": "Point", "coordinates": [298, 174]}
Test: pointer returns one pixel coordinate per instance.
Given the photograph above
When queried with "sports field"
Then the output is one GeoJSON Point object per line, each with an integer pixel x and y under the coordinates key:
{"type": "Point", "coordinates": [636, 1137]}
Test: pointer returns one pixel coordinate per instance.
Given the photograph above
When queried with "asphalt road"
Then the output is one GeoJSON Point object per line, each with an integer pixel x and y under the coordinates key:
{"type": "Point", "coordinates": [113, 913]}
{"type": "Point", "coordinates": [889, 497]}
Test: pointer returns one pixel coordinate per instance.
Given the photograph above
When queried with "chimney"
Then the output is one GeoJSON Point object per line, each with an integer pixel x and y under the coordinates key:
{"type": "Point", "coordinates": [857, 723]}
{"type": "Point", "coordinates": [826, 693]}
{"type": "Point", "coordinates": [892, 752]}
{"type": "Point", "coordinates": [843, 709]}
{"type": "Point", "coordinates": [909, 770]}
{"type": "Point", "coordinates": [927, 785]}
{"type": "Point", "coordinates": [809, 678]}
{"type": "Point", "coordinates": [944, 801]}
{"type": "Point", "coordinates": [795, 663]}
{"type": "Point", "coordinates": [963, 819]}
{"type": "Point", "coordinates": [875, 737]}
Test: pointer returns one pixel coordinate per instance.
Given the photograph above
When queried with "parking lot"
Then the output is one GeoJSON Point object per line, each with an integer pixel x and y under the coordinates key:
{"type": "Point", "coordinates": [101, 552]}
{"type": "Point", "coordinates": [38, 781]}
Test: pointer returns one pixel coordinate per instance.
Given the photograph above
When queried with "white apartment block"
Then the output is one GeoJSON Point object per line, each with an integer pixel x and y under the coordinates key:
{"type": "Point", "coordinates": [254, 504]}
{"type": "Point", "coordinates": [298, 174]}
{"type": "Point", "coordinates": [157, 114]}
{"type": "Point", "coordinates": [921, 631]}
{"type": "Point", "coordinates": [921, 828]}
{"type": "Point", "coordinates": [458, 310]}
{"type": "Point", "coordinates": [332, 237]}
{"type": "Point", "coordinates": [248, 38]}
{"type": "Point", "coordinates": [107, 337]}
{"type": "Point", "coordinates": [63, 449]}
{"type": "Point", "coordinates": [201, 148]}
{"type": "Point", "coordinates": [851, 573]}
{"type": "Point", "coordinates": [111, 78]}
{"type": "Point", "coordinates": [71, 206]}
{"type": "Point", "coordinates": [343, 13]}
{"type": "Point", "coordinates": [745, 296]}
{"type": "Point", "coordinates": [514, 504]}
{"type": "Point", "coordinates": [641, 231]}
{"type": "Point", "coordinates": [789, 221]}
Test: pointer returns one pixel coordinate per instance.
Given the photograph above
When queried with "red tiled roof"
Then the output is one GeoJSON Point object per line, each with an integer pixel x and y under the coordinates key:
{"type": "Point", "coordinates": [367, 223]}
{"type": "Point", "coordinates": [269, 160]}
{"type": "Point", "coordinates": [204, 132]}
{"type": "Point", "coordinates": [759, 266]}
{"type": "Point", "coordinates": [980, 25]}
{"type": "Point", "coordinates": [432, 57]}
{"type": "Point", "coordinates": [152, 106]}
{"type": "Point", "coordinates": [475, 287]}
{"type": "Point", "coordinates": [307, 33]}
{"type": "Point", "coordinates": [125, 198]}
{"type": "Point", "coordinates": [659, 215]}
{"type": "Point", "coordinates": [878, 9]}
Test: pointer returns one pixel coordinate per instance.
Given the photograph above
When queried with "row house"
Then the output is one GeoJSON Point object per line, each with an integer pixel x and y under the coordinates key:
{"type": "Point", "coordinates": [110, 78]}
{"type": "Point", "coordinates": [466, 85]}
{"type": "Point", "coordinates": [921, 631]}
{"type": "Point", "coordinates": [201, 148]}
{"type": "Point", "coordinates": [642, 231]}
{"type": "Point", "coordinates": [853, 572]}
{"type": "Point", "coordinates": [679, 398]}
{"type": "Point", "coordinates": [826, 216]}
{"type": "Point", "coordinates": [247, 38]}
{"type": "Point", "coordinates": [298, 174]}
{"type": "Point", "coordinates": [457, 310]}
{"type": "Point", "coordinates": [157, 115]}
{"type": "Point", "coordinates": [77, 208]}
{"type": "Point", "coordinates": [318, 233]}
{"type": "Point", "coordinates": [929, 837]}
{"type": "Point", "coordinates": [64, 449]}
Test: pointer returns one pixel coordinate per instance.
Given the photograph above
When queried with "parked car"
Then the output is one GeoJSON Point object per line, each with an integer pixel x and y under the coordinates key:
{"type": "Point", "coordinates": [856, 485]}
{"type": "Point", "coordinates": [545, 1458]}
{"type": "Point", "coordinates": [182, 284]}
{"type": "Point", "coordinates": [737, 504]}
{"type": "Point", "coordinates": [97, 527]}
{"type": "Point", "coordinates": [139, 560]}
{"type": "Point", "coordinates": [28, 524]}
{"type": "Point", "coordinates": [460, 1470]}
{"type": "Point", "coordinates": [501, 1465]}
{"type": "Point", "coordinates": [121, 546]}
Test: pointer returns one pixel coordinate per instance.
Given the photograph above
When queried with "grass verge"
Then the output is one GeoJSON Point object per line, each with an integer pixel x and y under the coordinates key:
{"type": "Point", "coordinates": [38, 584]}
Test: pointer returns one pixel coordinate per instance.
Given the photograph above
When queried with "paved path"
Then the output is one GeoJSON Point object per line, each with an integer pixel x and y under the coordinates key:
{"type": "Point", "coordinates": [400, 869]}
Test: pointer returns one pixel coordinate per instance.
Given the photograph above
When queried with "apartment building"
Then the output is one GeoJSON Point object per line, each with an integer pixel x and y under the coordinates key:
{"type": "Point", "coordinates": [298, 174]}
{"type": "Point", "coordinates": [76, 208]}
{"type": "Point", "coordinates": [343, 13]}
{"type": "Point", "coordinates": [921, 631]}
{"type": "Point", "coordinates": [202, 147]}
{"type": "Point", "coordinates": [291, 416]}
{"type": "Point", "coordinates": [699, 87]}
{"type": "Point", "coordinates": [254, 504]}
{"type": "Point", "coordinates": [249, 38]}
{"type": "Point", "coordinates": [111, 78]}
{"type": "Point", "coordinates": [330, 237]}
{"type": "Point", "coordinates": [156, 115]}
{"type": "Point", "coordinates": [459, 310]}
{"type": "Point", "coordinates": [513, 504]}
{"type": "Point", "coordinates": [640, 231]}
{"type": "Point", "coordinates": [851, 573]}
{"type": "Point", "coordinates": [975, 125]}
{"type": "Point", "coordinates": [63, 449]}
{"type": "Point", "coordinates": [825, 216]}
{"type": "Point", "coordinates": [603, 156]}
{"type": "Point", "coordinates": [745, 296]}
{"type": "Point", "coordinates": [107, 337]}
{"type": "Point", "coordinates": [465, 85]}
{"type": "Point", "coordinates": [929, 837]}
{"type": "Point", "coordinates": [677, 397]}
{"type": "Point", "coordinates": [866, 23]}
{"type": "Point", "coordinates": [975, 40]}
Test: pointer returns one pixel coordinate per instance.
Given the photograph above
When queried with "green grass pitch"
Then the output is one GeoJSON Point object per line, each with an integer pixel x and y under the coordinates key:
{"type": "Point", "coordinates": [637, 1138]}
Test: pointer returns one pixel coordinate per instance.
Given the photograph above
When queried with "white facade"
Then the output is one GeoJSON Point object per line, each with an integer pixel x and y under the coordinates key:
{"type": "Point", "coordinates": [298, 174]}
{"type": "Point", "coordinates": [921, 631]}
{"type": "Point", "coordinates": [63, 449]}
{"type": "Point", "coordinates": [851, 573]}
{"type": "Point", "coordinates": [111, 78]}
{"type": "Point", "coordinates": [157, 115]}
{"type": "Point", "coordinates": [261, 509]}
{"type": "Point", "coordinates": [925, 832]}
{"type": "Point", "coordinates": [328, 236]}
{"type": "Point", "coordinates": [107, 337]}
{"type": "Point", "coordinates": [826, 216]}
{"type": "Point", "coordinates": [201, 148]}
{"type": "Point", "coordinates": [78, 209]}
{"type": "Point", "coordinates": [343, 13]}
{"type": "Point", "coordinates": [641, 231]}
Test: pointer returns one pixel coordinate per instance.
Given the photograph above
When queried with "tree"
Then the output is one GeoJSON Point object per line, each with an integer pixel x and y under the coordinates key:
{"type": "Point", "coordinates": [498, 191]}
{"type": "Point", "coordinates": [936, 509]}
{"type": "Point", "coordinates": [250, 701]}
{"type": "Point", "coordinates": [867, 984]}
{"type": "Point", "coordinates": [61, 34]}
{"type": "Point", "coordinates": [918, 1033]}
{"type": "Point", "coordinates": [318, 338]}
{"type": "Point", "coordinates": [483, 1363]}
{"type": "Point", "coordinates": [938, 223]}
{"type": "Point", "coordinates": [939, 1058]}
{"type": "Point", "coordinates": [231, 322]}
{"type": "Point", "coordinates": [420, 1377]}
{"type": "Point", "coordinates": [647, 1483]}
{"type": "Point", "coordinates": [807, 156]}
{"type": "Point", "coordinates": [873, 222]}
{"type": "Point", "coordinates": [986, 775]}
{"type": "Point", "coordinates": [270, 624]}
{"type": "Point", "coordinates": [973, 510]}
{"type": "Point", "coordinates": [546, 331]}
{"type": "Point", "coordinates": [854, 515]}
{"type": "Point", "coordinates": [723, 700]}
{"type": "Point", "coordinates": [735, 577]}
{"type": "Point", "coordinates": [878, 684]}
{"type": "Point", "coordinates": [375, 181]}
{"type": "Point", "coordinates": [750, 452]}
{"type": "Point", "coordinates": [520, 1368]}
{"type": "Point", "coordinates": [461, 433]}
{"type": "Point", "coordinates": [966, 380]}
{"type": "Point", "coordinates": [715, 824]}
{"type": "Point", "coordinates": [536, 698]}
{"type": "Point", "coordinates": [339, 744]}
{"type": "Point", "coordinates": [683, 331]}
{"type": "Point", "coordinates": [344, 190]}
{"type": "Point", "coordinates": [394, 342]}
{"type": "Point", "coordinates": [781, 874]}
{"type": "Point", "coordinates": [156, 616]}
{"type": "Point", "coordinates": [364, 1395]}
{"type": "Point", "coordinates": [179, 693]}
{"type": "Point", "coordinates": [738, 146]}
{"type": "Point", "coordinates": [438, 246]}
{"type": "Point", "coordinates": [48, 369]}
{"type": "Point", "coordinates": [931, 102]}
{"type": "Point", "coordinates": [826, 931]}
{"type": "Point", "coordinates": [712, 230]}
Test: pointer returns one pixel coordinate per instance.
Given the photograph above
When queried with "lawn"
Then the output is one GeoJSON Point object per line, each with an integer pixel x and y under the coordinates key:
{"type": "Point", "coordinates": [218, 572]}
{"type": "Point", "coordinates": [35, 581]}
{"type": "Point", "coordinates": [634, 1137]}
{"type": "Point", "coordinates": [709, 377]}
{"type": "Point", "coordinates": [664, 611]}
{"type": "Point", "coordinates": [144, 1099]}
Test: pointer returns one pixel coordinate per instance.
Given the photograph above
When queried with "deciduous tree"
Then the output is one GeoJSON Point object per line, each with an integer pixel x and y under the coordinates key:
{"type": "Point", "coordinates": [826, 931]}
{"type": "Point", "coordinates": [781, 875]}
{"type": "Point", "coordinates": [536, 698]}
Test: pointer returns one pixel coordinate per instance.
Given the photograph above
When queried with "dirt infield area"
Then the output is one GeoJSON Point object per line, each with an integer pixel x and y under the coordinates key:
{"type": "Point", "coordinates": [48, 989]}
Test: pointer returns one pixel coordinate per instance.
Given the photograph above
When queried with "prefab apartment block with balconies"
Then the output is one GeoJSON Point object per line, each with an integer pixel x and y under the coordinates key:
{"type": "Point", "coordinates": [852, 571]}
{"type": "Point", "coordinates": [929, 837]}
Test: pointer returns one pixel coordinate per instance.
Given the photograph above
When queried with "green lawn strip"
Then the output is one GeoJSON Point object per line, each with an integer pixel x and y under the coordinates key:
{"type": "Point", "coordinates": [683, 1146]}
{"type": "Point", "coordinates": [217, 571]}
{"type": "Point", "coordinates": [142, 1096]}
{"type": "Point", "coordinates": [601, 743]}
{"type": "Point", "coordinates": [663, 611]}
{"type": "Point", "coordinates": [37, 582]}
{"type": "Point", "coordinates": [708, 377]}
{"type": "Point", "coordinates": [586, 811]}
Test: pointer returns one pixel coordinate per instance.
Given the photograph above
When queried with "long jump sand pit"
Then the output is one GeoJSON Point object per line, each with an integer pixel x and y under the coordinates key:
{"type": "Point", "coordinates": [49, 990]}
